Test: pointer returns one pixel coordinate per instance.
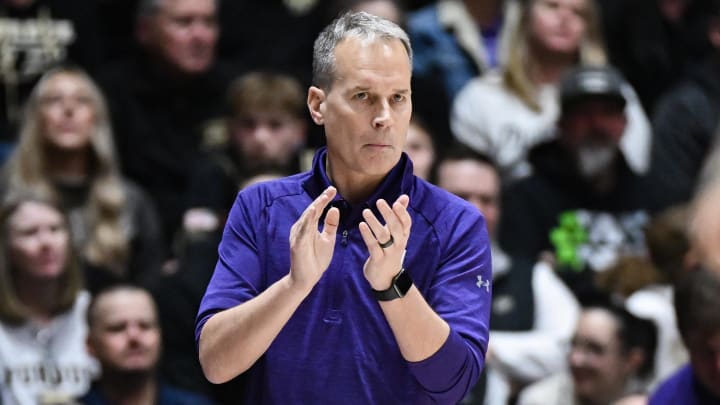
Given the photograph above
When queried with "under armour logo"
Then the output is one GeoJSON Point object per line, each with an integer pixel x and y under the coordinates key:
{"type": "Point", "coordinates": [483, 283]}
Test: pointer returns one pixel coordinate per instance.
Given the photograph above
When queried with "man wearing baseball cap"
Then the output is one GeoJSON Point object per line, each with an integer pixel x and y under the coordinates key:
{"type": "Point", "coordinates": [583, 203]}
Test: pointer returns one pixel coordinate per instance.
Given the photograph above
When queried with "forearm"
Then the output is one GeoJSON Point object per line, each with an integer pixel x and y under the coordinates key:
{"type": "Point", "coordinates": [441, 361]}
{"type": "Point", "coordinates": [418, 330]}
{"type": "Point", "coordinates": [232, 340]}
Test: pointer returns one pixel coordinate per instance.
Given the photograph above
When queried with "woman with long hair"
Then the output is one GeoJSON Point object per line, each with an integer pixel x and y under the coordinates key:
{"type": "Point", "coordinates": [42, 306]}
{"type": "Point", "coordinates": [506, 112]}
{"type": "Point", "coordinates": [65, 151]}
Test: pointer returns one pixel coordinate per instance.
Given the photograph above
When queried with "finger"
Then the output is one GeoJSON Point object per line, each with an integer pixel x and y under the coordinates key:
{"type": "Point", "coordinates": [318, 206]}
{"type": "Point", "coordinates": [312, 213]}
{"type": "Point", "coordinates": [369, 239]}
{"type": "Point", "coordinates": [400, 209]}
{"type": "Point", "coordinates": [375, 226]}
{"type": "Point", "coordinates": [332, 220]}
{"type": "Point", "coordinates": [404, 200]}
{"type": "Point", "coordinates": [393, 223]}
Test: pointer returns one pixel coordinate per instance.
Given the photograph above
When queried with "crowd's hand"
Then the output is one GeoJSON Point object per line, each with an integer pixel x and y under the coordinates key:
{"type": "Point", "coordinates": [311, 250]}
{"type": "Point", "coordinates": [384, 263]}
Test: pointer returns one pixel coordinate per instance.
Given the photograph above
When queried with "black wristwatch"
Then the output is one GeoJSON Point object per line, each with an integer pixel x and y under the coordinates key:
{"type": "Point", "coordinates": [400, 285]}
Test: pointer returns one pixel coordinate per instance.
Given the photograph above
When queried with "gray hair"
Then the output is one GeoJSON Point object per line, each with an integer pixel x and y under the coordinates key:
{"type": "Point", "coordinates": [697, 301]}
{"type": "Point", "coordinates": [361, 25]}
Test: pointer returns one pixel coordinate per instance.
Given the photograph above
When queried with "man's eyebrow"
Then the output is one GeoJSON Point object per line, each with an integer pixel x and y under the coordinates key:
{"type": "Point", "coordinates": [358, 88]}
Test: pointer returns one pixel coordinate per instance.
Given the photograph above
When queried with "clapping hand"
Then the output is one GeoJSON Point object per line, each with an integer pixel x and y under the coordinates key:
{"type": "Point", "coordinates": [386, 243]}
{"type": "Point", "coordinates": [311, 250]}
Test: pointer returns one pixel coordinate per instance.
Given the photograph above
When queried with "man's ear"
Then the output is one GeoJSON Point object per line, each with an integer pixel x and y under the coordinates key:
{"type": "Point", "coordinates": [316, 102]}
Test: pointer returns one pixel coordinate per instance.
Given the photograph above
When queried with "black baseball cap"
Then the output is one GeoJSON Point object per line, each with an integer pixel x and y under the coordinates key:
{"type": "Point", "coordinates": [591, 81]}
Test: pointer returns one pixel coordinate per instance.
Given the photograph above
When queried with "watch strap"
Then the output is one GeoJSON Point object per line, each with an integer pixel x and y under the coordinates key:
{"type": "Point", "coordinates": [401, 283]}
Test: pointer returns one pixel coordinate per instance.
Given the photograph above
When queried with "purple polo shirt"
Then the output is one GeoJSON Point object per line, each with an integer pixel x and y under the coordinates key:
{"type": "Point", "coordinates": [338, 348]}
{"type": "Point", "coordinates": [684, 388]}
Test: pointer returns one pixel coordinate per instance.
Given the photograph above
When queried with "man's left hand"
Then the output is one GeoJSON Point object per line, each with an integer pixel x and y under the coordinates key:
{"type": "Point", "coordinates": [385, 263]}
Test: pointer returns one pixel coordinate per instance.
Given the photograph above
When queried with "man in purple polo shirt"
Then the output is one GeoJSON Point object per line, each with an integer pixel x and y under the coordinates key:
{"type": "Point", "coordinates": [697, 307]}
{"type": "Point", "coordinates": [355, 282]}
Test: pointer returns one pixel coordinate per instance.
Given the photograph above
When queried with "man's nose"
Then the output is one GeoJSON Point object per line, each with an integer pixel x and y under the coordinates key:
{"type": "Point", "coordinates": [202, 30]}
{"type": "Point", "coordinates": [383, 115]}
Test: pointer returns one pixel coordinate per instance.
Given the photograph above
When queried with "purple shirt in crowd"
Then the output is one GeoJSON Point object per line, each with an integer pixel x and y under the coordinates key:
{"type": "Point", "coordinates": [683, 388]}
{"type": "Point", "coordinates": [338, 347]}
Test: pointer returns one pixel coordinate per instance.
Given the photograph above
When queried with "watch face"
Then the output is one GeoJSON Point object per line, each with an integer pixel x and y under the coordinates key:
{"type": "Point", "coordinates": [402, 283]}
{"type": "Point", "coordinates": [400, 286]}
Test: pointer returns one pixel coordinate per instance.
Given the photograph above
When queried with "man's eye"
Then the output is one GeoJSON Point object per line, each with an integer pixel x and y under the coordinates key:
{"type": "Point", "coordinates": [361, 96]}
{"type": "Point", "coordinates": [399, 98]}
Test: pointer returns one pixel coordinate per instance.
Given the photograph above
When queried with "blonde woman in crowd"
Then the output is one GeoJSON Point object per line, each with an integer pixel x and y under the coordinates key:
{"type": "Point", "coordinates": [504, 113]}
{"type": "Point", "coordinates": [42, 306]}
{"type": "Point", "coordinates": [65, 151]}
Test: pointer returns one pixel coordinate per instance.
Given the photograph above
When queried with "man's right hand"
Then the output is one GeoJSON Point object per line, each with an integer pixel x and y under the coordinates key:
{"type": "Point", "coordinates": [311, 250]}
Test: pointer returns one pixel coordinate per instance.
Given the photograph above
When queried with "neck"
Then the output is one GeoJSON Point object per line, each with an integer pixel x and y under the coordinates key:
{"type": "Point", "coordinates": [549, 67]}
{"type": "Point", "coordinates": [68, 164]}
{"type": "Point", "coordinates": [484, 13]}
{"type": "Point", "coordinates": [129, 388]}
{"type": "Point", "coordinates": [39, 296]}
{"type": "Point", "coordinates": [352, 186]}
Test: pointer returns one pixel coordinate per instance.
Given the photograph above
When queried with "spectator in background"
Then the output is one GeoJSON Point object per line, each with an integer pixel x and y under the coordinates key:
{"type": "Point", "coordinates": [611, 356]}
{"type": "Point", "coordinates": [684, 123]}
{"type": "Point", "coordinates": [42, 306]}
{"type": "Point", "coordinates": [647, 283]}
{"type": "Point", "coordinates": [456, 40]}
{"type": "Point", "coordinates": [393, 10]}
{"type": "Point", "coordinates": [270, 35]}
{"type": "Point", "coordinates": [124, 336]}
{"type": "Point", "coordinates": [36, 36]}
{"type": "Point", "coordinates": [583, 201]}
{"type": "Point", "coordinates": [66, 152]}
{"type": "Point", "coordinates": [506, 113]}
{"type": "Point", "coordinates": [420, 148]}
{"type": "Point", "coordinates": [655, 42]}
{"type": "Point", "coordinates": [697, 307]}
{"type": "Point", "coordinates": [533, 312]}
{"type": "Point", "coordinates": [163, 101]}
{"type": "Point", "coordinates": [266, 132]}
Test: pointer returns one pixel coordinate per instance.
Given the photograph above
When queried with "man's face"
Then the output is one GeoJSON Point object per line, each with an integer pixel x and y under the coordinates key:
{"type": "Point", "coordinates": [267, 137]}
{"type": "Point", "coordinates": [597, 363]}
{"type": "Point", "coordinates": [125, 336]}
{"type": "Point", "coordinates": [592, 128]}
{"type": "Point", "coordinates": [367, 112]}
{"type": "Point", "coordinates": [476, 183]}
{"type": "Point", "coordinates": [183, 33]}
{"type": "Point", "coordinates": [704, 350]}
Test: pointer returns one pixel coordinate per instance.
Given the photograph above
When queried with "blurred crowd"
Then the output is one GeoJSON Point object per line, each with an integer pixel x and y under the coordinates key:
{"type": "Point", "coordinates": [583, 130]}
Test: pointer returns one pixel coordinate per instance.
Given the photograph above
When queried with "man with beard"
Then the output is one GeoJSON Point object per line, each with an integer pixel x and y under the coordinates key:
{"type": "Point", "coordinates": [583, 202]}
{"type": "Point", "coordinates": [124, 335]}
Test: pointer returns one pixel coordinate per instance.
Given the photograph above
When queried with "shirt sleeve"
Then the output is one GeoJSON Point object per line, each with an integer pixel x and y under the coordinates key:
{"type": "Point", "coordinates": [460, 294]}
{"type": "Point", "coordinates": [237, 277]}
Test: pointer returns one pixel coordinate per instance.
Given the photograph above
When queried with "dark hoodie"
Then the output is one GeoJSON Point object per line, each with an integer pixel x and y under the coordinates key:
{"type": "Point", "coordinates": [556, 210]}
{"type": "Point", "coordinates": [684, 128]}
